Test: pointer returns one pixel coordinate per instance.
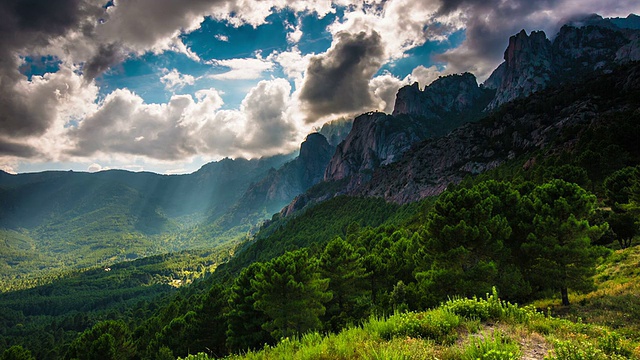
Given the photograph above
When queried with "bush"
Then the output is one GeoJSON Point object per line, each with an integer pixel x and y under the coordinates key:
{"type": "Point", "coordinates": [496, 347]}
{"type": "Point", "coordinates": [438, 325]}
{"type": "Point", "coordinates": [491, 308]}
{"type": "Point", "coordinates": [580, 350]}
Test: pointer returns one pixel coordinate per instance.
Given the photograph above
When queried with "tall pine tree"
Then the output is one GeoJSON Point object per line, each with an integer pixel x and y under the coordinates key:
{"type": "Point", "coordinates": [290, 291]}
{"type": "Point", "coordinates": [560, 243]}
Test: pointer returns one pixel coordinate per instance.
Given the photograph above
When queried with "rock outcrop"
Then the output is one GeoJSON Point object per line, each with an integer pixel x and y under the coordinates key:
{"type": "Point", "coordinates": [527, 68]}
{"type": "Point", "coordinates": [377, 139]}
{"type": "Point", "coordinates": [336, 130]}
{"type": "Point", "coordinates": [551, 121]}
{"type": "Point", "coordinates": [447, 95]}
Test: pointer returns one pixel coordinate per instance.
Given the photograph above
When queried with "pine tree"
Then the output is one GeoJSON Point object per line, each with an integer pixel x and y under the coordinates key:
{"type": "Point", "coordinates": [341, 265]}
{"type": "Point", "coordinates": [244, 320]}
{"type": "Point", "coordinates": [560, 243]}
{"type": "Point", "coordinates": [291, 293]}
{"type": "Point", "coordinates": [465, 239]}
{"type": "Point", "coordinates": [109, 340]}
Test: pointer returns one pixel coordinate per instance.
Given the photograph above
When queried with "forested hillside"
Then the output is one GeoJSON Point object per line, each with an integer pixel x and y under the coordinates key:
{"type": "Point", "coordinates": [422, 255]}
{"type": "Point", "coordinates": [531, 229]}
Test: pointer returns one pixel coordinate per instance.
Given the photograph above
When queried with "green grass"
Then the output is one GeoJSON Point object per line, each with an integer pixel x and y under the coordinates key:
{"type": "Point", "coordinates": [490, 328]}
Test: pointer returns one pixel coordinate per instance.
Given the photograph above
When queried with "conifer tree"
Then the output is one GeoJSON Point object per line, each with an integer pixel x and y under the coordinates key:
{"type": "Point", "coordinates": [244, 320]}
{"type": "Point", "coordinates": [341, 265]}
{"type": "Point", "coordinates": [291, 293]}
{"type": "Point", "coordinates": [560, 243]}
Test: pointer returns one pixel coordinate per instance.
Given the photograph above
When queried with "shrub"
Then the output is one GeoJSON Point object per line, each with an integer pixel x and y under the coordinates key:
{"type": "Point", "coordinates": [491, 308]}
{"type": "Point", "coordinates": [580, 350]}
{"type": "Point", "coordinates": [438, 324]}
{"type": "Point", "coordinates": [496, 347]}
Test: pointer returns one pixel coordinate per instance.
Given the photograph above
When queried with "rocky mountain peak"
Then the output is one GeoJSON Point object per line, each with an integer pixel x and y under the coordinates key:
{"type": "Point", "coordinates": [527, 68]}
{"type": "Point", "coordinates": [583, 45]}
{"type": "Point", "coordinates": [315, 153]}
{"type": "Point", "coordinates": [452, 93]}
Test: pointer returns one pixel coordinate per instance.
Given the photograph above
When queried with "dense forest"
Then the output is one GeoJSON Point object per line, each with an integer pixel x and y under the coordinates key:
{"type": "Point", "coordinates": [524, 232]}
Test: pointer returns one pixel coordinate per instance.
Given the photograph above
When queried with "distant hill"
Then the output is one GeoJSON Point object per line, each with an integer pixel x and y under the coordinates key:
{"type": "Point", "coordinates": [79, 219]}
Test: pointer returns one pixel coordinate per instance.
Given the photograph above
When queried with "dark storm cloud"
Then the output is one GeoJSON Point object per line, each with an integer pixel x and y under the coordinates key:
{"type": "Point", "coordinates": [337, 81]}
{"type": "Point", "coordinates": [24, 25]}
{"type": "Point", "coordinates": [489, 23]}
{"type": "Point", "coordinates": [19, 150]}
{"type": "Point", "coordinates": [106, 56]}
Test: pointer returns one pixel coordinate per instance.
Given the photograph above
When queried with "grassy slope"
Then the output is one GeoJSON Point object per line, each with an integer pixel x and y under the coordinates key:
{"type": "Point", "coordinates": [607, 328]}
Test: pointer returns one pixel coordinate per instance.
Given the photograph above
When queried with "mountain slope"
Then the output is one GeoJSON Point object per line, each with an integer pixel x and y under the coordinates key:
{"type": "Point", "coordinates": [72, 219]}
{"type": "Point", "coordinates": [546, 123]}
{"type": "Point", "coordinates": [378, 139]}
{"type": "Point", "coordinates": [280, 186]}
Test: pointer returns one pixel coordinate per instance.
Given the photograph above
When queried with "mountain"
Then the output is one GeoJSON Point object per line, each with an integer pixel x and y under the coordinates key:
{"type": "Point", "coordinates": [336, 130]}
{"type": "Point", "coordinates": [377, 139]}
{"type": "Point", "coordinates": [447, 97]}
{"type": "Point", "coordinates": [59, 219]}
{"type": "Point", "coordinates": [524, 131]}
{"type": "Point", "coordinates": [280, 186]}
{"type": "Point", "coordinates": [29, 200]}
{"type": "Point", "coordinates": [365, 162]}
{"type": "Point", "coordinates": [533, 62]}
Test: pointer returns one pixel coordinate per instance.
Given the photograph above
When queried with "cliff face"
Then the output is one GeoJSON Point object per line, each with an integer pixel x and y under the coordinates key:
{"type": "Point", "coordinates": [551, 121]}
{"type": "Point", "coordinates": [449, 94]}
{"type": "Point", "coordinates": [378, 139]}
{"type": "Point", "coordinates": [527, 68]}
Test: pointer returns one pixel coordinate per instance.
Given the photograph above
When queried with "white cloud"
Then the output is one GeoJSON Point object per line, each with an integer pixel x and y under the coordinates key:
{"type": "Point", "coordinates": [241, 69]}
{"type": "Point", "coordinates": [222, 37]}
{"type": "Point", "coordinates": [295, 33]}
{"type": "Point", "coordinates": [293, 63]}
{"type": "Point", "coordinates": [383, 90]}
{"type": "Point", "coordinates": [186, 126]}
{"type": "Point", "coordinates": [402, 24]}
{"type": "Point", "coordinates": [8, 165]}
{"type": "Point", "coordinates": [173, 80]}
{"type": "Point", "coordinates": [95, 167]}
{"type": "Point", "coordinates": [424, 76]}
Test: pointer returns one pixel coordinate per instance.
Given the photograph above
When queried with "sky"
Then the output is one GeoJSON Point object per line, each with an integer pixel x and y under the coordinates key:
{"type": "Point", "coordinates": [168, 85]}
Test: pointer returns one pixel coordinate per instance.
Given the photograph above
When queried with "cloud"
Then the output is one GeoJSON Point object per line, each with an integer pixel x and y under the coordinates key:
{"type": "Point", "coordinates": [260, 127]}
{"type": "Point", "coordinates": [14, 149]}
{"type": "Point", "coordinates": [59, 115]}
{"type": "Point", "coordinates": [32, 107]}
{"type": "Point", "coordinates": [173, 80]}
{"type": "Point", "coordinates": [383, 90]}
{"type": "Point", "coordinates": [242, 69]}
{"type": "Point", "coordinates": [186, 126]}
{"type": "Point", "coordinates": [95, 167]}
{"type": "Point", "coordinates": [265, 105]}
{"type": "Point", "coordinates": [424, 76]}
{"type": "Point", "coordinates": [295, 33]}
{"type": "Point", "coordinates": [293, 63]}
{"type": "Point", "coordinates": [106, 56]}
{"type": "Point", "coordinates": [489, 24]}
{"type": "Point", "coordinates": [222, 37]}
{"type": "Point", "coordinates": [335, 80]}
{"type": "Point", "coordinates": [125, 124]}
{"type": "Point", "coordinates": [401, 24]}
